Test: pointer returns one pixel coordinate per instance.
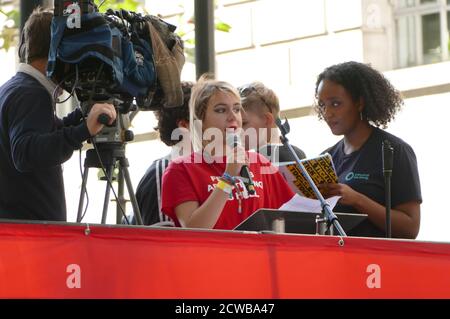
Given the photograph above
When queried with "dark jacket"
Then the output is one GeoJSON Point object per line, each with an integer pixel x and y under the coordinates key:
{"type": "Point", "coordinates": [33, 145]}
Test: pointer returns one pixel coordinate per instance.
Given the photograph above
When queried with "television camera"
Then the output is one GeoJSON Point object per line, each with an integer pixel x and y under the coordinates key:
{"type": "Point", "coordinates": [114, 57]}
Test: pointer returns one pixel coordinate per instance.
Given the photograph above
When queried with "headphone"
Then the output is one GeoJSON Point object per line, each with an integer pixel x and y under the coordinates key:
{"type": "Point", "coordinates": [22, 47]}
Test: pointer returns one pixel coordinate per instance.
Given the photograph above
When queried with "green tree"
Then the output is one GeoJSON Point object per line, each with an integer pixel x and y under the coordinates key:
{"type": "Point", "coordinates": [9, 30]}
{"type": "Point", "coordinates": [10, 17]}
{"type": "Point", "coordinates": [186, 30]}
{"type": "Point", "coordinates": [10, 20]}
{"type": "Point", "coordinates": [130, 5]}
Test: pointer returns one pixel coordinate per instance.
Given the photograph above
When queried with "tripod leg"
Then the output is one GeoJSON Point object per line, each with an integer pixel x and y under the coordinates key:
{"type": "Point", "coordinates": [82, 194]}
{"type": "Point", "coordinates": [121, 202]}
{"type": "Point", "coordinates": [109, 175]}
{"type": "Point", "coordinates": [137, 212]}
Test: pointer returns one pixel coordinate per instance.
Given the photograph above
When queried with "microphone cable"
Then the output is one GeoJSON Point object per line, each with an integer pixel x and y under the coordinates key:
{"type": "Point", "coordinates": [85, 189]}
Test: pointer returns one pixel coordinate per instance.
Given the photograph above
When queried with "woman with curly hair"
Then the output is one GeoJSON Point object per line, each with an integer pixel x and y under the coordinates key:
{"type": "Point", "coordinates": [355, 100]}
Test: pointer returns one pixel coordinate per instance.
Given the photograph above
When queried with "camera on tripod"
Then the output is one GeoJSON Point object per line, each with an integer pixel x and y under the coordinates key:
{"type": "Point", "coordinates": [119, 57]}
{"type": "Point", "coordinates": [115, 55]}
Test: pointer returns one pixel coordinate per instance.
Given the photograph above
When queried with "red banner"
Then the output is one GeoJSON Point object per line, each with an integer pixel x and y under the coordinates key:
{"type": "Point", "coordinates": [79, 261]}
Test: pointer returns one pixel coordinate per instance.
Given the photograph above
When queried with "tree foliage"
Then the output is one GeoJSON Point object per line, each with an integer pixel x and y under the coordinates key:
{"type": "Point", "coordinates": [9, 23]}
{"type": "Point", "coordinates": [10, 17]}
{"type": "Point", "coordinates": [130, 5]}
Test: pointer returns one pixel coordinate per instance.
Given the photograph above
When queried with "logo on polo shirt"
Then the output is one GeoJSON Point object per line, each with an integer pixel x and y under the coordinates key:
{"type": "Point", "coordinates": [352, 176]}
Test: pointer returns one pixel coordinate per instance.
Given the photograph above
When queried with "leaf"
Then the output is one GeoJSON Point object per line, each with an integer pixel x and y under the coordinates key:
{"type": "Point", "coordinates": [190, 41]}
{"type": "Point", "coordinates": [9, 30]}
{"type": "Point", "coordinates": [14, 15]}
{"type": "Point", "coordinates": [130, 5]}
{"type": "Point", "coordinates": [222, 26]}
{"type": "Point", "coordinates": [9, 36]}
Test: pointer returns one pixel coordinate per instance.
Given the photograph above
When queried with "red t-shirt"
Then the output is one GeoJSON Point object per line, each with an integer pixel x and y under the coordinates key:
{"type": "Point", "coordinates": [193, 178]}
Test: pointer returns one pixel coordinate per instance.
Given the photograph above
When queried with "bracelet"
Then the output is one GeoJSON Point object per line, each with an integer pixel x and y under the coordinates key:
{"type": "Point", "coordinates": [228, 178]}
{"type": "Point", "coordinates": [224, 186]}
{"type": "Point", "coordinates": [226, 181]}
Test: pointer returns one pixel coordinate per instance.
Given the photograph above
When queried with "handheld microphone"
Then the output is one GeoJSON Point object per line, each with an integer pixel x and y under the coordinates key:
{"type": "Point", "coordinates": [234, 140]}
{"type": "Point", "coordinates": [245, 172]}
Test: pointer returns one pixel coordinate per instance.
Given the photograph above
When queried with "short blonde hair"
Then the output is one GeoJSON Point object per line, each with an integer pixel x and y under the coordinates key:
{"type": "Point", "coordinates": [252, 94]}
{"type": "Point", "coordinates": [202, 92]}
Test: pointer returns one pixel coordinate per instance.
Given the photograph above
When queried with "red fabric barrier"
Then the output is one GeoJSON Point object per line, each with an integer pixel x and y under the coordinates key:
{"type": "Point", "coordinates": [62, 261]}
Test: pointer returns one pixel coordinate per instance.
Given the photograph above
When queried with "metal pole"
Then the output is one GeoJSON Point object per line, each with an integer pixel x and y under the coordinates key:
{"type": "Point", "coordinates": [387, 185]}
{"type": "Point", "coordinates": [204, 37]}
{"type": "Point", "coordinates": [387, 157]}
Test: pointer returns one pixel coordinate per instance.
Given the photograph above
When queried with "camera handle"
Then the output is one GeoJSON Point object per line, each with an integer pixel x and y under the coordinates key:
{"type": "Point", "coordinates": [104, 119]}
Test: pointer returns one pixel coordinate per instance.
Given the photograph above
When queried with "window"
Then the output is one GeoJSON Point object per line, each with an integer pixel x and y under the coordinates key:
{"type": "Point", "coordinates": [431, 38]}
{"type": "Point", "coordinates": [406, 3]}
{"type": "Point", "coordinates": [422, 29]}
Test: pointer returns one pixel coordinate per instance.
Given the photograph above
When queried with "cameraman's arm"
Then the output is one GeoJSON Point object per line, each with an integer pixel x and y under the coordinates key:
{"type": "Point", "coordinates": [72, 119]}
{"type": "Point", "coordinates": [35, 141]}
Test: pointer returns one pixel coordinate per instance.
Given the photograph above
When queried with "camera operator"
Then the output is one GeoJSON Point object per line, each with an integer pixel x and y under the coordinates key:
{"type": "Point", "coordinates": [33, 141]}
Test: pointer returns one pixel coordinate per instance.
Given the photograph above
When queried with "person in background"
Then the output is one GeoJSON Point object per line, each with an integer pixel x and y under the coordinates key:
{"type": "Point", "coordinates": [355, 100]}
{"type": "Point", "coordinates": [148, 192]}
{"type": "Point", "coordinates": [262, 108]}
{"type": "Point", "coordinates": [204, 190]}
{"type": "Point", "coordinates": [33, 141]}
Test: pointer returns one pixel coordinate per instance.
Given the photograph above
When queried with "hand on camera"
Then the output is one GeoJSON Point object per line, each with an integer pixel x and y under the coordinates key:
{"type": "Point", "coordinates": [94, 126]}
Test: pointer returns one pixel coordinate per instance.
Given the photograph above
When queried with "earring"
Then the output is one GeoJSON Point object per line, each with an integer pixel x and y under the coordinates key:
{"type": "Point", "coordinates": [361, 116]}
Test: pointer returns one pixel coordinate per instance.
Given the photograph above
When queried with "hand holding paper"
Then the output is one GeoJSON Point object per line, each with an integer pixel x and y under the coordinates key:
{"type": "Point", "coordinates": [320, 169]}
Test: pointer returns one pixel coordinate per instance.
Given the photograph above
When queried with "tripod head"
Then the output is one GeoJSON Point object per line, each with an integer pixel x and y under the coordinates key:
{"type": "Point", "coordinates": [118, 132]}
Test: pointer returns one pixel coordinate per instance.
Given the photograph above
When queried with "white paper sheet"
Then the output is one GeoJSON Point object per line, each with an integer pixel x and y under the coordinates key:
{"type": "Point", "coordinates": [307, 205]}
